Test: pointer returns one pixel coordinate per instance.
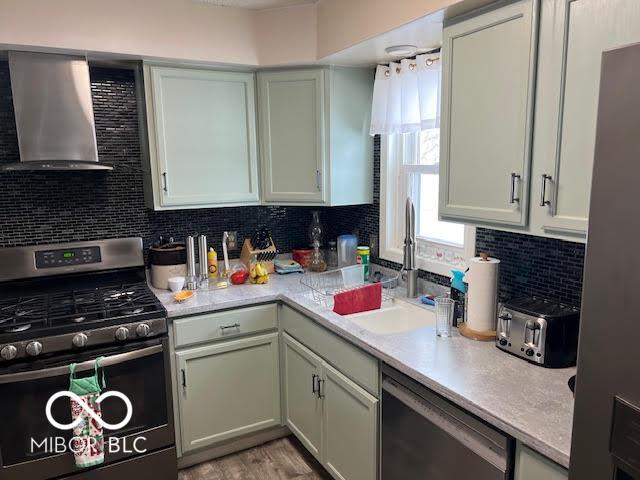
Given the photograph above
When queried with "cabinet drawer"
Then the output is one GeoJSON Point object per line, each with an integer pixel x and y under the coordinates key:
{"type": "Point", "coordinates": [223, 325]}
{"type": "Point", "coordinates": [351, 361]}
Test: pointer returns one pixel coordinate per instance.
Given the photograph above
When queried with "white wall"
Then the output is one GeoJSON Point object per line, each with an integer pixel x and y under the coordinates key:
{"type": "Point", "coordinates": [343, 23]}
{"type": "Point", "coordinates": [286, 35]}
{"type": "Point", "coordinates": [199, 32]}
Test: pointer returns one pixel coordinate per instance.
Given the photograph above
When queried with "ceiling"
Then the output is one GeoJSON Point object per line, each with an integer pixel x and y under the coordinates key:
{"type": "Point", "coordinates": [425, 33]}
{"type": "Point", "coordinates": [256, 4]}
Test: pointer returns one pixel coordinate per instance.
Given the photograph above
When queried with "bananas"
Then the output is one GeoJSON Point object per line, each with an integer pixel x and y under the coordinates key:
{"type": "Point", "coordinates": [258, 274]}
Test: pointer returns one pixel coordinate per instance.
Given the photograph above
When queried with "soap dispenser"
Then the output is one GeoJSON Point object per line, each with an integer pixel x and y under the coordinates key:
{"type": "Point", "coordinates": [459, 295]}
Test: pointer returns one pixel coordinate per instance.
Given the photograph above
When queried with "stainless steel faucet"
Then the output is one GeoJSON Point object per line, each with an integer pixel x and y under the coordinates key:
{"type": "Point", "coordinates": [409, 270]}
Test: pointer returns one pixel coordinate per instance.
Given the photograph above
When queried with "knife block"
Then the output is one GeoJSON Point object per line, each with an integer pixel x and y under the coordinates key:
{"type": "Point", "coordinates": [248, 253]}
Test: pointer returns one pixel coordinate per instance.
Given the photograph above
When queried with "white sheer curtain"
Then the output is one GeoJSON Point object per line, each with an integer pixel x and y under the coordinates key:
{"type": "Point", "coordinates": [406, 96]}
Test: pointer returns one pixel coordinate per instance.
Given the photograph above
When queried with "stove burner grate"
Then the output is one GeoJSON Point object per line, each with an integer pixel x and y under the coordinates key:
{"type": "Point", "coordinates": [18, 314]}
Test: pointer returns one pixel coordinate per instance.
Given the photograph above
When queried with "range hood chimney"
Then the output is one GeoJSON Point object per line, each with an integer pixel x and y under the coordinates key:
{"type": "Point", "coordinates": [54, 112]}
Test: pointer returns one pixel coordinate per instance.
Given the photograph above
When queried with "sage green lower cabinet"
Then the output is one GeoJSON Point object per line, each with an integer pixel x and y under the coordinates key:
{"type": "Point", "coordinates": [533, 466]}
{"type": "Point", "coordinates": [336, 419]}
{"type": "Point", "coordinates": [303, 407]}
{"type": "Point", "coordinates": [227, 389]}
{"type": "Point", "coordinates": [349, 427]}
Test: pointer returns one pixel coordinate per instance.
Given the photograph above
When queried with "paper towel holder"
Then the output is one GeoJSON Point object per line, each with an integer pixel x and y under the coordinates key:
{"type": "Point", "coordinates": [480, 335]}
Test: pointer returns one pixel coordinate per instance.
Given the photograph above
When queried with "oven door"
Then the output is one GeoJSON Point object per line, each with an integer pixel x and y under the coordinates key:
{"type": "Point", "coordinates": [30, 447]}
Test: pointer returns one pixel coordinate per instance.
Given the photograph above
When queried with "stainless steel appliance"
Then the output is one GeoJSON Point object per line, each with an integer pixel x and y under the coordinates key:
{"type": "Point", "coordinates": [425, 436]}
{"type": "Point", "coordinates": [540, 331]}
{"type": "Point", "coordinates": [54, 112]}
{"type": "Point", "coordinates": [606, 426]}
{"type": "Point", "coordinates": [76, 302]}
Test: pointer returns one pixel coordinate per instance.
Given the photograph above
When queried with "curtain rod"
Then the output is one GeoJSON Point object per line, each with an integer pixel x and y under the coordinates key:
{"type": "Point", "coordinates": [412, 66]}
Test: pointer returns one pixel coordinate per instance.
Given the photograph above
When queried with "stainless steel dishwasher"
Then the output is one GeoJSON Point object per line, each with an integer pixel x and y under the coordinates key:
{"type": "Point", "coordinates": [425, 436]}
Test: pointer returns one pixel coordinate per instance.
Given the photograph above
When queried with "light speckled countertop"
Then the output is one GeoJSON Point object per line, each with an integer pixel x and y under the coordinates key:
{"type": "Point", "coordinates": [531, 403]}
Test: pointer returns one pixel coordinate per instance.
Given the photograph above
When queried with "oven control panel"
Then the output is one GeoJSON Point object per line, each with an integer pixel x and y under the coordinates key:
{"type": "Point", "coordinates": [67, 257]}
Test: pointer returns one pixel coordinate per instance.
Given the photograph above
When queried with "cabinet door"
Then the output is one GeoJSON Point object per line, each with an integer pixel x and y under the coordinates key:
{"type": "Point", "coordinates": [227, 390]}
{"type": "Point", "coordinates": [573, 35]}
{"type": "Point", "coordinates": [350, 416]}
{"type": "Point", "coordinates": [303, 406]}
{"type": "Point", "coordinates": [488, 84]}
{"type": "Point", "coordinates": [292, 135]}
{"type": "Point", "coordinates": [533, 466]}
{"type": "Point", "coordinates": [203, 137]}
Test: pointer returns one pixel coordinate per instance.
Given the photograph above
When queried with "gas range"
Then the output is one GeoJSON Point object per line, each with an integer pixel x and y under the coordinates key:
{"type": "Point", "coordinates": [75, 296]}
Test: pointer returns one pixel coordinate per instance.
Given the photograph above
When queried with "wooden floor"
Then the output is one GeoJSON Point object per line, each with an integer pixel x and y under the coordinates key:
{"type": "Point", "coordinates": [280, 459]}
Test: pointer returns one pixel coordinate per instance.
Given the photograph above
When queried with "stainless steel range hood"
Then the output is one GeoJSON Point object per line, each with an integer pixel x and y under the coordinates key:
{"type": "Point", "coordinates": [54, 113]}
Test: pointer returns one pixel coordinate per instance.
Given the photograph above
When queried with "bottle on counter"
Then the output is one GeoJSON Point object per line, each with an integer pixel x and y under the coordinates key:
{"type": "Point", "coordinates": [212, 263]}
{"type": "Point", "coordinates": [332, 254]}
{"type": "Point", "coordinates": [362, 258]}
{"type": "Point", "coordinates": [459, 295]}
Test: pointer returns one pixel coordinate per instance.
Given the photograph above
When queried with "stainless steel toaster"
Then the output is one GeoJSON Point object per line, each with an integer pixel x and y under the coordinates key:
{"type": "Point", "coordinates": [540, 331]}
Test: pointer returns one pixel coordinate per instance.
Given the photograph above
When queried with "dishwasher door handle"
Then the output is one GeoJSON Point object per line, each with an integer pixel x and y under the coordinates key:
{"type": "Point", "coordinates": [469, 437]}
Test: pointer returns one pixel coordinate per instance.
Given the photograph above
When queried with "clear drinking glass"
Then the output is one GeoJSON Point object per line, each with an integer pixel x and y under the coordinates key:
{"type": "Point", "coordinates": [445, 307]}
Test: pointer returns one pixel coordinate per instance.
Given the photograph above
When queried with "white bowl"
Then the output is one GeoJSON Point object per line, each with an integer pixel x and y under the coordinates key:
{"type": "Point", "coordinates": [176, 283]}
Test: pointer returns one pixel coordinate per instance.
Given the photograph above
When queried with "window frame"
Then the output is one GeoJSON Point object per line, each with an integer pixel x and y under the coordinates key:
{"type": "Point", "coordinates": [392, 211]}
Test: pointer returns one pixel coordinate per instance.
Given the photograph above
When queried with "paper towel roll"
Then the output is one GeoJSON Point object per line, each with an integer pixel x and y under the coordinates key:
{"type": "Point", "coordinates": [482, 297]}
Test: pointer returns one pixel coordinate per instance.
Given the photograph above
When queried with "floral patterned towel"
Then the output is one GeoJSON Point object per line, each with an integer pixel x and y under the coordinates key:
{"type": "Point", "coordinates": [88, 440]}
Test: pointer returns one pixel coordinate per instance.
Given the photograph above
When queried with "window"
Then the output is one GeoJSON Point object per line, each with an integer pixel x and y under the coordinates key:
{"type": "Point", "coordinates": [410, 168]}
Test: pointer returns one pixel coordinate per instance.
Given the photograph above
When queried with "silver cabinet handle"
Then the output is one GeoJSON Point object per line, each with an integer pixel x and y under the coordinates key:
{"type": "Point", "coordinates": [226, 327]}
{"type": "Point", "coordinates": [543, 191]}
{"type": "Point", "coordinates": [320, 390]}
{"type": "Point", "coordinates": [184, 377]}
{"type": "Point", "coordinates": [164, 182]}
{"type": "Point", "coordinates": [318, 175]}
{"type": "Point", "coordinates": [314, 383]}
{"type": "Point", "coordinates": [515, 178]}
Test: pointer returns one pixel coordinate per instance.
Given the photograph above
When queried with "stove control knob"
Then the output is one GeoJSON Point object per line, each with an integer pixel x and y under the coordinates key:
{"type": "Point", "coordinates": [143, 330]}
{"type": "Point", "coordinates": [8, 352]}
{"type": "Point", "coordinates": [122, 333]}
{"type": "Point", "coordinates": [80, 340]}
{"type": "Point", "coordinates": [34, 349]}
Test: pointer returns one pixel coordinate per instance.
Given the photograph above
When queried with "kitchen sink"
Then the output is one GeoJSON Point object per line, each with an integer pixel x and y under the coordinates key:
{"type": "Point", "coordinates": [396, 317]}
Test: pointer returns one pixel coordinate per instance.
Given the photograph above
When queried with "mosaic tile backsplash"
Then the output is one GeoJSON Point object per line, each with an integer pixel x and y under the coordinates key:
{"type": "Point", "coordinates": [49, 207]}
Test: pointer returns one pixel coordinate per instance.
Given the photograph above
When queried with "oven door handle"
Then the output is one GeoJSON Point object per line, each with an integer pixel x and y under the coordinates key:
{"type": "Point", "coordinates": [88, 365]}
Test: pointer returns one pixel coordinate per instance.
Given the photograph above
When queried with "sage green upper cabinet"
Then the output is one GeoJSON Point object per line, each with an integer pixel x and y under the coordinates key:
{"type": "Point", "coordinates": [202, 138]}
{"type": "Point", "coordinates": [292, 128]}
{"type": "Point", "coordinates": [227, 389]}
{"type": "Point", "coordinates": [573, 35]}
{"type": "Point", "coordinates": [350, 428]}
{"type": "Point", "coordinates": [488, 78]}
{"type": "Point", "coordinates": [314, 141]}
{"type": "Point", "coordinates": [303, 407]}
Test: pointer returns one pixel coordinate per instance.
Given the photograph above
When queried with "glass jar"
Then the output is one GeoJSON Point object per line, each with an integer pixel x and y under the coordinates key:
{"type": "Point", "coordinates": [332, 254]}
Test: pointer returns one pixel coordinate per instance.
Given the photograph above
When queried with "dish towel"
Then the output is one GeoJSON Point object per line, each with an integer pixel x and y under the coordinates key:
{"type": "Point", "coordinates": [357, 300]}
{"type": "Point", "coordinates": [88, 441]}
